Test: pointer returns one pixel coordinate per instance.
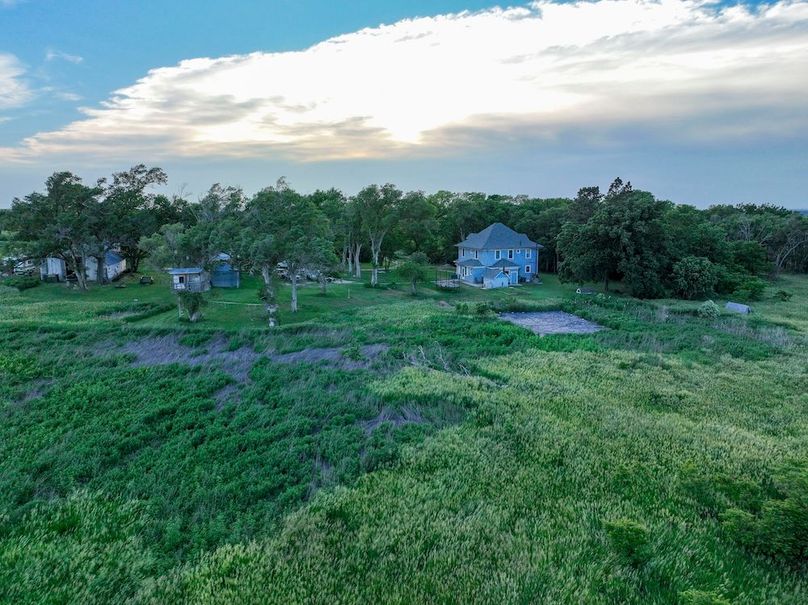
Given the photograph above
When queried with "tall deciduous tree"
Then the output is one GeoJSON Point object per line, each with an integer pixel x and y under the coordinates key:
{"type": "Point", "coordinates": [131, 212]}
{"type": "Point", "coordinates": [625, 237]}
{"type": "Point", "coordinates": [59, 222]}
{"type": "Point", "coordinates": [378, 207]}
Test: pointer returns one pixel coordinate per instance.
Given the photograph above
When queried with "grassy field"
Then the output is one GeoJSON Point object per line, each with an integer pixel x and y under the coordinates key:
{"type": "Point", "coordinates": [379, 447]}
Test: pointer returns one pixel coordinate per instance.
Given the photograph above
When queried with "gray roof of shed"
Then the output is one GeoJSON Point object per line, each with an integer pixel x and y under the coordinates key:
{"type": "Point", "coordinates": [185, 270]}
{"type": "Point", "coordinates": [498, 235]}
{"type": "Point", "coordinates": [494, 272]}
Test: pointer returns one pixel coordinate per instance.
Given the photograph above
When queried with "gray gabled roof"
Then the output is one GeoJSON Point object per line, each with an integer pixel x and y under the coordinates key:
{"type": "Point", "coordinates": [498, 235]}
{"type": "Point", "coordinates": [468, 262]}
{"type": "Point", "coordinates": [494, 272]}
{"type": "Point", "coordinates": [185, 270]}
{"type": "Point", "coordinates": [504, 263]}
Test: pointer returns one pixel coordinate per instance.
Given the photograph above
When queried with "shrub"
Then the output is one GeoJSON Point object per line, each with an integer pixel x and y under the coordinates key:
{"type": "Point", "coordinates": [21, 282]}
{"type": "Point", "coordinates": [190, 304]}
{"type": "Point", "coordinates": [694, 277]}
{"type": "Point", "coordinates": [750, 288]}
{"type": "Point", "coordinates": [783, 295]}
{"type": "Point", "coordinates": [482, 308]}
{"type": "Point", "coordinates": [709, 310]}
{"type": "Point", "coordinates": [780, 528]}
{"type": "Point", "coordinates": [630, 540]}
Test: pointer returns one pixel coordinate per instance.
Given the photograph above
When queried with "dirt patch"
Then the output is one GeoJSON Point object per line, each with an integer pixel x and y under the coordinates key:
{"type": "Point", "coordinates": [399, 417]}
{"type": "Point", "coordinates": [162, 350]}
{"type": "Point", "coordinates": [339, 358]}
{"type": "Point", "coordinates": [552, 322]}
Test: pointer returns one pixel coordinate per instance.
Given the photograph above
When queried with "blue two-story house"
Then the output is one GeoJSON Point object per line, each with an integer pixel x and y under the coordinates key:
{"type": "Point", "coordinates": [497, 257]}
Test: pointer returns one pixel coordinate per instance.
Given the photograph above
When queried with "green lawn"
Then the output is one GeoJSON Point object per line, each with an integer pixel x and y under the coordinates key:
{"type": "Point", "coordinates": [144, 460]}
{"type": "Point", "coordinates": [241, 309]}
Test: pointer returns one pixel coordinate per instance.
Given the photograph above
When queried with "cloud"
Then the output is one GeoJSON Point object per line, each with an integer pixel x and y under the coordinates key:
{"type": "Point", "coordinates": [605, 72]}
{"type": "Point", "coordinates": [53, 55]}
{"type": "Point", "coordinates": [13, 89]}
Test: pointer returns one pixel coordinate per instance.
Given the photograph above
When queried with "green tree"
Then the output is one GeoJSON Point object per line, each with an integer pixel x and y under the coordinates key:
{"type": "Point", "coordinates": [625, 238]}
{"type": "Point", "coordinates": [59, 223]}
{"type": "Point", "coordinates": [378, 207]}
{"type": "Point", "coordinates": [130, 212]}
{"type": "Point", "coordinates": [694, 277]}
{"type": "Point", "coordinates": [282, 226]}
{"type": "Point", "coordinates": [414, 268]}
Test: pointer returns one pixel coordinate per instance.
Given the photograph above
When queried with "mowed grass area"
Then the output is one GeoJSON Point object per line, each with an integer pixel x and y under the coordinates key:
{"type": "Point", "coordinates": [471, 461]}
{"type": "Point", "coordinates": [241, 309]}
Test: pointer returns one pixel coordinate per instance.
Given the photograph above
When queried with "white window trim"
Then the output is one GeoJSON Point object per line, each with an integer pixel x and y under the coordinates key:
{"type": "Point", "coordinates": [527, 252]}
{"type": "Point", "coordinates": [527, 269]}
{"type": "Point", "coordinates": [497, 254]}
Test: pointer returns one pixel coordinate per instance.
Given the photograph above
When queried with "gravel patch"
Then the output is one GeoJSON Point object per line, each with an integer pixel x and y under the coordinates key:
{"type": "Point", "coordinates": [552, 322]}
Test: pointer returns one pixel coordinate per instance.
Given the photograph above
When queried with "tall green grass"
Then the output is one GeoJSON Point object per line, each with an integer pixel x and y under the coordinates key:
{"type": "Point", "coordinates": [473, 462]}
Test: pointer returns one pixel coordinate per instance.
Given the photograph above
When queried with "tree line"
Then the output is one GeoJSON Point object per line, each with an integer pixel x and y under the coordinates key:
{"type": "Point", "coordinates": [653, 247]}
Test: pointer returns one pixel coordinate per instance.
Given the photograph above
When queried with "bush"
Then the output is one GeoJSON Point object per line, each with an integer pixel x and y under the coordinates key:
{"type": "Point", "coordinates": [783, 295]}
{"type": "Point", "coordinates": [694, 277]}
{"type": "Point", "coordinates": [462, 308]}
{"type": "Point", "coordinates": [750, 288]}
{"type": "Point", "coordinates": [20, 282]}
{"type": "Point", "coordinates": [483, 308]}
{"type": "Point", "coordinates": [780, 528]}
{"type": "Point", "coordinates": [709, 310]}
{"type": "Point", "coordinates": [630, 540]}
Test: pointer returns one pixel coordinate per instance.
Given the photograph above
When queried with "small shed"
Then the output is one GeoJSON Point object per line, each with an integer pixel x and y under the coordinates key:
{"type": "Point", "coordinates": [224, 274]}
{"type": "Point", "coordinates": [189, 279]}
{"type": "Point", "coordinates": [738, 308]}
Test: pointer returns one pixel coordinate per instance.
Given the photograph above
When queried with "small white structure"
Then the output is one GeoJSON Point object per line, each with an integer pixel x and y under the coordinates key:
{"type": "Point", "coordinates": [53, 269]}
{"type": "Point", "coordinates": [738, 308]}
{"type": "Point", "coordinates": [114, 266]}
{"type": "Point", "coordinates": [189, 279]}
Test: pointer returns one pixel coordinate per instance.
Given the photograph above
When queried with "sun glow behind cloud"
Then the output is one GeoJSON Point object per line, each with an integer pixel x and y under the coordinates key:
{"type": "Point", "coordinates": [690, 71]}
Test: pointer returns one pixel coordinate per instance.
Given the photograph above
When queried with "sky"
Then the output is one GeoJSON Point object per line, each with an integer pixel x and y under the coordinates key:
{"type": "Point", "coordinates": [698, 102]}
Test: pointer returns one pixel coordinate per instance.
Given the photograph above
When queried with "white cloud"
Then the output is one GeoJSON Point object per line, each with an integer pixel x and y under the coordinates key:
{"type": "Point", "coordinates": [683, 69]}
{"type": "Point", "coordinates": [52, 55]}
{"type": "Point", "coordinates": [13, 89]}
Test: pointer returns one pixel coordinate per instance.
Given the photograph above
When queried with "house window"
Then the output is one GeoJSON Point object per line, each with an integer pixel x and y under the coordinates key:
{"type": "Point", "coordinates": [527, 252]}
{"type": "Point", "coordinates": [497, 254]}
{"type": "Point", "coordinates": [527, 268]}
{"type": "Point", "coordinates": [182, 279]}
{"type": "Point", "coordinates": [510, 254]}
{"type": "Point", "coordinates": [476, 253]}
